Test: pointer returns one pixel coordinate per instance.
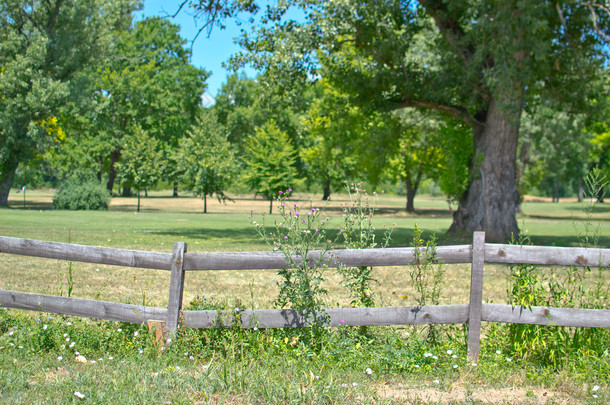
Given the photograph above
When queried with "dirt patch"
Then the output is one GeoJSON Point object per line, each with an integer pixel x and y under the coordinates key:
{"type": "Point", "coordinates": [483, 395]}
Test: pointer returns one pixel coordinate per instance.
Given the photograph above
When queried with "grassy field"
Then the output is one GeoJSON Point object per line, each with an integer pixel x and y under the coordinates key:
{"type": "Point", "coordinates": [246, 367]}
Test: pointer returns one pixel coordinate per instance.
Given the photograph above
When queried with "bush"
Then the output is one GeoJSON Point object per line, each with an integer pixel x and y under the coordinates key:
{"type": "Point", "coordinates": [81, 195]}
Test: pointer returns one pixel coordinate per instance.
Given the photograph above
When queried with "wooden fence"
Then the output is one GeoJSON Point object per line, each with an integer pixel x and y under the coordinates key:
{"type": "Point", "coordinates": [180, 261]}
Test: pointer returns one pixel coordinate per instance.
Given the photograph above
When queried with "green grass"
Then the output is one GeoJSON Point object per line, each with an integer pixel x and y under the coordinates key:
{"type": "Point", "coordinates": [273, 366]}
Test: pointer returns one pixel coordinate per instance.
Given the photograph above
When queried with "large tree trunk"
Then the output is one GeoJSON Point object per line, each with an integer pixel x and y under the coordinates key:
{"type": "Point", "coordinates": [412, 187]}
{"type": "Point", "coordinates": [6, 181]}
{"type": "Point", "coordinates": [490, 202]}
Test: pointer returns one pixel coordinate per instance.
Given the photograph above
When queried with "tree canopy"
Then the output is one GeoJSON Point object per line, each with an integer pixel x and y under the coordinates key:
{"type": "Point", "coordinates": [479, 62]}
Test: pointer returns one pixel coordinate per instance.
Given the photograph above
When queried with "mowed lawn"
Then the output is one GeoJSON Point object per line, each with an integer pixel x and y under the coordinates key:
{"type": "Point", "coordinates": [227, 227]}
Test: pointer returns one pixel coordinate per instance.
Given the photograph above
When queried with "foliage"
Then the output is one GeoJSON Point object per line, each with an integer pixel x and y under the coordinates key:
{"type": "Point", "coordinates": [75, 194]}
{"type": "Point", "coordinates": [358, 232]}
{"type": "Point", "coordinates": [480, 63]}
{"type": "Point", "coordinates": [45, 46]}
{"type": "Point", "coordinates": [207, 160]}
{"type": "Point", "coordinates": [427, 275]}
{"type": "Point", "coordinates": [269, 159]}
{"type": "Point", "coordinates": [142, 163]}
{"type": "Point", "coordinates": [296, 233]}
{"type": "Point", "coordinates": [529, 285]}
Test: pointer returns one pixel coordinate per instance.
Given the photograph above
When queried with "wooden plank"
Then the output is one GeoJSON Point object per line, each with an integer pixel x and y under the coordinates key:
{"type": "Point", "coordinates": [110, 311]}
{"type": "Point", "coordinates": [577, 317]}
{"type": "Point", "coordinates": [276, 260]}
{"type": "Point", "coordinates": [476, 295]}
{"type": "Point", "coordinates": [547, 255]}
{"type": "Point", "coordinates": [158, 330]}
{"type": "Point", "coordinates": [87, 254]}
{"type": "Point", "coordinates": [176, 288]}
{"type": "Point", "coordinates": [288, 318]}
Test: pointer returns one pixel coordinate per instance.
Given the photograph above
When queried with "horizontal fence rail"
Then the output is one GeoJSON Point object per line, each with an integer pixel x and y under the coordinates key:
{"type": "Point", "coordinates": [178, 262]}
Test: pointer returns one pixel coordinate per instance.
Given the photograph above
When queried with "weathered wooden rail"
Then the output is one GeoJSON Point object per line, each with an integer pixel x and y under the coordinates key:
{"type": "Point", "coordinates": [180, 261]}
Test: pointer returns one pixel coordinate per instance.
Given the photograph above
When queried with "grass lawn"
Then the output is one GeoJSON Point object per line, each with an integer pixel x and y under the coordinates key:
{"type": "Point", "coordinates": [247, 367]}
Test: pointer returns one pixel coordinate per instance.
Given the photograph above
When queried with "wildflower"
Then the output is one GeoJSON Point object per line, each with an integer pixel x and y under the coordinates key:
{"type": "Point", "coordinates": [19, 347]}
{"type": "Point", "coordinates": [68, 323]}
{"type": "Point", "coordinates": [474, 364]}
{"type": "Point", "coordinates": [368, 371]}
{"type": "Point", "coordinates": [110, 357]}
{"type": "Point", "coordinates": [119, 330]}
{"type": "Point", "coordinates": [290, 190]}
{"type": "Point", "coordinates": [65, 335]}
{"type": "Point", "coordinates": [449, 351]}
{"type": "Point", "coordinates": [436, 382]}
{"type": "Point", "coordinates": [455, 366]}
{"type": "Point", "coordinates": [509, 359]}
{"type": "Point", "coordinates": [341, 321]}
{"type": "Point", "coordinates": [498, 352]}
{"type": "Point", "coordinates": [67, 339]}
{"type": "Point", "coordinates": [191, 357]}
{"type": "Point", "coordinates": [595, 388]}
{"type": "Point", "coordinates": [79, 395]}
{"type": "Point", "coordinates": [344, 385]}
{"type": "Point", "coordinates": [44, 327]}
{"type": "Point", "coordinates": [81, 359]}
{"type": "Point", "coordinates": [417, 366]}
{"type": "Point", "coordinates": [281, 192]}
{"type": "Point", "coordinates": [72, 345]}
{"type": "Point", "coordinates": [59, 358]}
{"type": "Point", "coordinates": [297, 213]}
{"type": "Point", "coordinates": [454, 357]}
{"type": "Point", "coordinates": [354, 384]}
{"type": "Point", "coordinates": [435, 358]}
{"type": "Point", "coordinates": [135, 333]}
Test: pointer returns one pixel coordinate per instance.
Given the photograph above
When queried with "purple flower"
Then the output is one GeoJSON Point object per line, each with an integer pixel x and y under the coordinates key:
{"type": "Point", "coordinates": [281, 192]}
{"type": "Point", "coordinates": [313, 210]}
{"type": "Point", "coordinates": [285, 237]}
{"type": "Point", "coordinates": [341, 321]}
{"type": "Point", "coordinates": [317, 230]}
{"type": "Point", "coordinates": [296, 214]}
{"type": "Point", "coordinates": [290, 190]}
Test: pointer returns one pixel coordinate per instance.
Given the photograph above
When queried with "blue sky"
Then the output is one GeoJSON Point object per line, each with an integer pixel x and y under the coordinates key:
{"type": "Point", "coordinates": [208, 52]}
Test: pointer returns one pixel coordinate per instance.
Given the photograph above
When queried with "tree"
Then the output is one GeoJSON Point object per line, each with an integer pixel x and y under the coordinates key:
{"type": "Point", "coordinates": [142, 162]}
{"type": "Point", "coordinates": [207, 160]}
{"type": "Point", "coordinates": [269, 158]}
{"type": "Point", "coordinates": [44, 46]}
{"type": "Point", "coordinates": [148, 81]}
{"type": "Point", "coordinates": [479, 62]}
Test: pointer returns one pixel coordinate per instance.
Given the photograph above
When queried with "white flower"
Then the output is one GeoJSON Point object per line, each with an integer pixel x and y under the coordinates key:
{"type": "Point", "coordinates": [59, 358]}
{"type": "Point", "coordinates": [455, 366]}
{"type": "Point", "coordinates": [595, 388]}
{"type": "Point", "coordinates": [135, 333]}
{"type": "Point", "coordinates": [368, 371]}
{"type": "Point", "coordinates": [354, 384]}
{"type": "Point", "coordinates": [417, 366]}
{"type": "Point", "coordinates": [509, 359]}
{"type": "Point", "coordinates": [344, 385]}
{"type": "Point", "coordinates": [454, 357]}
{"type": "Point", "coordinates": [474, 364]}
{"type": "Point", "coordinates": [191, 357]}
{"type": "Point", "coordinates": [11, 333]}
{"type": "Point", "coordinates": [72, 344]}
{"type": "Point", "coordinates": [19, 347]}
{"type": "Point", "coordinates": [119, 330]}
{"type": "Point", "coordinates": [65, 335]}
{"type": "Point", "coordinates": [436, 382]}
{"type": "Point", "coordinates": [427, 354]}
{"type": "Point", "coordinates": [435, 358]}
{"type": "Point", "coordinates": [93, 362]}
{"type": "Point", "coordinates": [44, 327]}
{"type": "Point", "coordinates": [67, 339]}
{"type": "Point", "coordinates": [68, 323]}
{"type": "Point", "coordinates": [594, 396]}
{"type": "Point", "coordinates": [498, 352]}
{"type": "Point", "coordinates": [79, 395]}
{"type": "Point", "coordinates": [110, 357]}
{"type": "Point", "coordinates": [449, 351]}
{"type": "Point", "coordinates": [81, 359]}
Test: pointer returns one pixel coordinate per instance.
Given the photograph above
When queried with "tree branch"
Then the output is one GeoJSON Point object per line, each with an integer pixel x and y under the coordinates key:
{"type": "Point", "coordinates": [449, 27]}
{"type": "Point", "coordinates": [591, 7]}
{"type": "Point", "coordinates": [457, 112]}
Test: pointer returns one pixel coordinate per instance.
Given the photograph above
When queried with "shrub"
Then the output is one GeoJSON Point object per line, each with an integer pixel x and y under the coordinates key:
{"type": "Point", "coordinates": [81, 195]}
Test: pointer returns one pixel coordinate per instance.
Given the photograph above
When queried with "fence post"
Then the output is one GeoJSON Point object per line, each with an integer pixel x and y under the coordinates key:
{"type": "Point", "coordinates": [476, 295]}
{"type": "Point", "coordinates": [176, 288]}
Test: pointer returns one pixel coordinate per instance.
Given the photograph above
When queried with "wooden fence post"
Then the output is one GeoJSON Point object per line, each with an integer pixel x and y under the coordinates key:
{"type": "Point", "coordinates": [176, 288]}
{"type": "Point", "coordinates": [476, 295]}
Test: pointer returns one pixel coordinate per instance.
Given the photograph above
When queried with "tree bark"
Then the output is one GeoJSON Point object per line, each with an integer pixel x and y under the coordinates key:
{"type": "Point", "coordinates": [205, 204]}
{"type": "Point", "coordinates": [175, 190]}
{"type": "Point", "coordinates": [412, 187]}
{"type": "Point", "coordinates": [114, 157]}
{"type": "Point", "coordinates": [6, 181]}
{"type": "Point", "coordinates": [326, 195]}
{"type": "Point", "coordinates": [490, 202]}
